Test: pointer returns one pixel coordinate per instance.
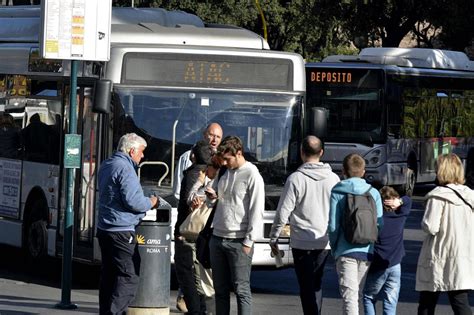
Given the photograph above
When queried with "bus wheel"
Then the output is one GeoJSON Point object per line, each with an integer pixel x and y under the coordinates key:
{"type": "Point", "coordinates": [37, 239]}
{"type": "Point", "coordinates": [410, 180]}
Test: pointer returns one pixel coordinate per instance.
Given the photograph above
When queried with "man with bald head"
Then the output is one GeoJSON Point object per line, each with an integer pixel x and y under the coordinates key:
{"type": "Point", "coordinates": [213, 135]}
{"type": "Point", "coordinates": [305, 204]}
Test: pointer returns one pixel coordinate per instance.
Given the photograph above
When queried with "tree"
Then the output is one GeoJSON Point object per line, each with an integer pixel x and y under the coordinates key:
{"type": "Point", "coordinates": [317, 28]}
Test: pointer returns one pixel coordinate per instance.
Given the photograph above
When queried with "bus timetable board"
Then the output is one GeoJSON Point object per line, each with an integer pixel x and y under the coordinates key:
{"type": "Point", "coordinates": [77, 30]}
{"type": "Point", "coordinates": [10, 180]}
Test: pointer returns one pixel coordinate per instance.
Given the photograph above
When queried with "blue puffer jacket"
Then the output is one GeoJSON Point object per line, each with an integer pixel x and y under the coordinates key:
{"type": "Point", "coordinates": [356, 186]}
{"type": "Point", "coordinates": [121, 200]}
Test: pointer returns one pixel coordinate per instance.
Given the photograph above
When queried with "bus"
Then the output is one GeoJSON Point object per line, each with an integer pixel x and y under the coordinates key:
{"type": "Point", "coordinates": [172, 75]}
{"type": "Point", "coordinates": [399, 108]}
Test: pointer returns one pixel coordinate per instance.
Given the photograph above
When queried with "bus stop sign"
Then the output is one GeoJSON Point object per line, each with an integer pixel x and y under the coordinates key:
{"type": "Point", "coordinates": [72, 151]}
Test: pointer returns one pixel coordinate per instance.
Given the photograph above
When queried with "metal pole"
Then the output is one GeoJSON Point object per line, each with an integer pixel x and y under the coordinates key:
{"type": "Point", "coordinates": [69, 214]}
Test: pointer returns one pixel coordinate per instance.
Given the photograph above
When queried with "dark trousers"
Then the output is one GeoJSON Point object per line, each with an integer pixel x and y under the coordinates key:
{"type": "Point", "coordinates": [309, 268]}
{"type": "Point", "coordinates": [459, 302]}
{"type": "Point", "coordinates": [120, 271]}
{"type": "Point", "coordinates": [189, 279]}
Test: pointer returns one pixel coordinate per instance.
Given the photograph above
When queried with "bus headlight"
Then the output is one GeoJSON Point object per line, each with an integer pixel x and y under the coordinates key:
{"type": "Point", "coordinates": [375, 157]}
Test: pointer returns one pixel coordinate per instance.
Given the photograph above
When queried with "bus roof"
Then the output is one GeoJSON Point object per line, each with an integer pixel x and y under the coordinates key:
{"type": "Point", "coordinates": [409, 57]}
{"type": "Point", "coordinates": [21, 24]}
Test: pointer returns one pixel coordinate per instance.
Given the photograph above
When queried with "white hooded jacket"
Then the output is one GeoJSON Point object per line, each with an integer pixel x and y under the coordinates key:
{"type": "Point", "coordinates": [446, 261]}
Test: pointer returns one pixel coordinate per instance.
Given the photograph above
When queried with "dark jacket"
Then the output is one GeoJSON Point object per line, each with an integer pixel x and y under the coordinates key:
{"type": "Point", "coordinates": [190, 177]}
{"type": "Point", "coordinates": [389, 249]}
{"type": "Point", "coordinates": [9, 142]}
{"type": "Point", "coordinates": [121, 200]}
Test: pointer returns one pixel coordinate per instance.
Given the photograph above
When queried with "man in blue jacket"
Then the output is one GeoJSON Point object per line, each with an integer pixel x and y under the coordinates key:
{"type": "Point", "coordinates": [122, 205]}
{"type": "Point", "coordinates": [352, 260]}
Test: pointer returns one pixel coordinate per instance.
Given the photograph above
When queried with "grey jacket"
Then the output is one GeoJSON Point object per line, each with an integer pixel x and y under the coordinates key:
{"type": "Point", "coordinates": [305, 203]}
{"type": "Point", "coordinates": [240, 205]}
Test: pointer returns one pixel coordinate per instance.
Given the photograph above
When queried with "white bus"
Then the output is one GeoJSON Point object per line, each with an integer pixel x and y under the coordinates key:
{"type": "Point", "coordinates": [397, 107]}
{"type": "Point", "coordinates": [172, 75]}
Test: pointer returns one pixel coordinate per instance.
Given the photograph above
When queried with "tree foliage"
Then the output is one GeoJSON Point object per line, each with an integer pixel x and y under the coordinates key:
{"type": "Point", "coordinates": [317, 28]}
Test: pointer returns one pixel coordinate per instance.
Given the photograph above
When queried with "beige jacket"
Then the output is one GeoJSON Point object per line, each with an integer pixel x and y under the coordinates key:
{"type": "Point", "coordinates": [446, 261]}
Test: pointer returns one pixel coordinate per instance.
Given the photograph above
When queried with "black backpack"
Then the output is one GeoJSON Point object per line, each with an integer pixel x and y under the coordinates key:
{"type": "Point", "coordinates": [360, 219]}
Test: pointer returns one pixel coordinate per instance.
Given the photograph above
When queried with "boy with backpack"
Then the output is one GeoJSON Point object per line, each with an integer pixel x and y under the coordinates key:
{"type": "Point", "coordinates": [355, 216]}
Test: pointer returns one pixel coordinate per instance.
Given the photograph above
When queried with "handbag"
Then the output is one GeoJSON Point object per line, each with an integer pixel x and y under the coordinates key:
{"type": "Point", "coordinates": [203, 253]}
{"type": "Point", "coordinates": [195, 222]}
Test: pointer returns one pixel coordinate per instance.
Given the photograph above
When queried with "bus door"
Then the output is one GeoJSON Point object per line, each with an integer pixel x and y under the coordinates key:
{"type": "Point", "coordinates": [85, 182]}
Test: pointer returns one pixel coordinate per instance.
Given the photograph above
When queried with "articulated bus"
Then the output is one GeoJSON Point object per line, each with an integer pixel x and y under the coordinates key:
{"type": "Point", "coordinates": [172, 75]}
{"type": "Point", "coordinates": [398, 108]}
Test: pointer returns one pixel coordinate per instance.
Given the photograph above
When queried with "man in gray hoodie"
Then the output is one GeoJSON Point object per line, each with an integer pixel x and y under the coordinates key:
{"type": "Point", "coordinates": [237, 222]}
{"type": "Point", "coordinates": [305, 201]}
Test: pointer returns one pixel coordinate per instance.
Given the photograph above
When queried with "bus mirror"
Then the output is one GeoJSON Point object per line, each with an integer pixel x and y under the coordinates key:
{"type": "Point", "coordinates": [319, 121]}
{"type": "Point", "coordinates": [102, 94]}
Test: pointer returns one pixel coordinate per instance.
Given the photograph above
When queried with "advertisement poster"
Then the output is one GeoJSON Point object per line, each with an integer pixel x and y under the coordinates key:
{"type": "Point", "coordinates": [10, 181]}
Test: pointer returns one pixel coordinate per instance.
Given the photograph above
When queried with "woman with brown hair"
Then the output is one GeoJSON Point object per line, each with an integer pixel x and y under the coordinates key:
{"type": "Point", "coordinates": [446, 261]}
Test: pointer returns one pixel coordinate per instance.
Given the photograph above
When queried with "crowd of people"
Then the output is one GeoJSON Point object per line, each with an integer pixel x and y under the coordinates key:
{"type": "Point", "coordinates": [326, 215]}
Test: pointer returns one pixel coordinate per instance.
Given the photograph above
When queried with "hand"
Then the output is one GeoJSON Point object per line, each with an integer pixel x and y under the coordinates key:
{"type": "Point", "coordinates": [274, 246]}
{"type": "Point", "coordinates": [154, 201]}
{"type": "Point", "coordinates": [393, 203]}
{"type": "Point", "coordinates": [211, 193]}
{"type": "Point", "coordinates": [196, 202]}
{"type": "Point", "coordinates": [246, 249]}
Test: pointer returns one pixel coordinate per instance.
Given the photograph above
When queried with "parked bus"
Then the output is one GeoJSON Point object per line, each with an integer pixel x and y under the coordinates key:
{"type": "Point", "coordinates": [172, 75]}
{"type": "Point", "coordinates": [397, 107]}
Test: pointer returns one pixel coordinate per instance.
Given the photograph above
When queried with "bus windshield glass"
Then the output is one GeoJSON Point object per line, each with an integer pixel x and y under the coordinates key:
{"type": "Point", "coordinates": [353, 115]}
{"type": "Point", "coordinates": [267, 123]}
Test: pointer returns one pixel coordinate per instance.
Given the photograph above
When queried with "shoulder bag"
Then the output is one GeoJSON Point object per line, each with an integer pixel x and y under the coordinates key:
{"type": "Point", "coordinates": [195, 222]}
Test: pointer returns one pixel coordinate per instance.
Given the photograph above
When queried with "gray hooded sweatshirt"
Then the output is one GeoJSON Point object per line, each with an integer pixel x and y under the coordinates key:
{"type": "Point", "coordinates": [305, 202]}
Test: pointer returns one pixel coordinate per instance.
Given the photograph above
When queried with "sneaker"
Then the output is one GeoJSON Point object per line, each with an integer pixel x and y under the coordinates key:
{"type": "Point", "coordinates": [181, 304]}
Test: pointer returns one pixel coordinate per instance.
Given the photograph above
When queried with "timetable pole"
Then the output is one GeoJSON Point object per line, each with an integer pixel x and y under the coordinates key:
{"type": "Point", "coordinates": [66, 279]}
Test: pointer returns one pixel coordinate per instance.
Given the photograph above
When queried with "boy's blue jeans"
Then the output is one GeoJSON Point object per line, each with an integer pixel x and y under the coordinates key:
{"type": "Point", "coordinates": [387, 281]}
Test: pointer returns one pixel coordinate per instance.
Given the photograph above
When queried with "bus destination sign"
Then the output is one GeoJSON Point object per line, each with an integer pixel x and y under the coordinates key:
{"type": "Point", "coordinates": [331, 76]}
{"type": "Point", "coordinates": [207, 71]}
{"type": "Point", "coordinates": [361, 78]}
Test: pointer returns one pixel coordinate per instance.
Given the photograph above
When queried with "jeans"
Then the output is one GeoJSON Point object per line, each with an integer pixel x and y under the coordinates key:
{"type": "Point", "coordinates": [352, 274]}
{"type": "Point", "coordinates": [386, 281]}
{"type": "Point", "coordinates": [459, 302]}
{"type": "Point", "coordinates": [188, 275]}
{"type": "Point", "coordinates": [120, 271]}
{"type": "Point", "coordinates": [231, 268]}
{"type": "Point", "coordinates": [309, 268]}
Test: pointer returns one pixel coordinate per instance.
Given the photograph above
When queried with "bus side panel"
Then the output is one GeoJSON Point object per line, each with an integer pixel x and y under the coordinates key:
{"type": "Point", "coordinates": [45, 177]}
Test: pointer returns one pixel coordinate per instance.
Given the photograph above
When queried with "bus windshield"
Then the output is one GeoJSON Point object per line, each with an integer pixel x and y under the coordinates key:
{"type": "Point", "coordinates": [267, 124]}
{"type": "Point", "coordinates": [353, 115]}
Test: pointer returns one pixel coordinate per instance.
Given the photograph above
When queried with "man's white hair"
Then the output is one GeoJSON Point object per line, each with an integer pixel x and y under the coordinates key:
{"type": "Point", "coordinates": [129, 141]}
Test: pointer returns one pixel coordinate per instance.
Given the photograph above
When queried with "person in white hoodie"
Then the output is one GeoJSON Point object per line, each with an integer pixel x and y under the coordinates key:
{"type": "Point", "coordinates": [238, 219]}
{"type": "Point", "coordinates": [446, 261]}
{"type": "Point", "coordinates": [305, 204]}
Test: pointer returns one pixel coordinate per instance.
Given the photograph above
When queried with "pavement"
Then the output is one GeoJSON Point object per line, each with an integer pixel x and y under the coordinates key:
{"type": "Point", "coordinates": [18, 297]}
